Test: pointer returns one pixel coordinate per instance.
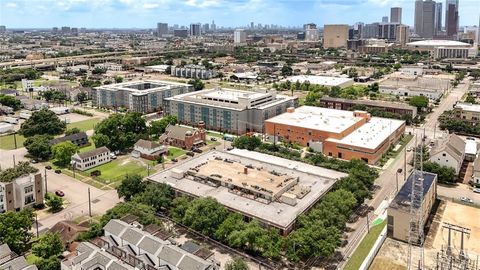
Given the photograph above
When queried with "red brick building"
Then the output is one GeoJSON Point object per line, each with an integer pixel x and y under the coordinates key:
{"type": "Point", "coordinates": [184, 137]}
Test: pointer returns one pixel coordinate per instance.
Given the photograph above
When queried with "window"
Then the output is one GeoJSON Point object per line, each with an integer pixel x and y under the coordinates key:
{"type": "Point", "coordinates": [28, 189]}
{"type": "Point", "coordinates": [29, 199]}
{"type": "Point", "coordinates": [444, 154]}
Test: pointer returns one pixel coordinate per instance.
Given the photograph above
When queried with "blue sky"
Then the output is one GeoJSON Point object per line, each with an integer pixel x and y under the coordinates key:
{"type": "Point", "coordinates": [146, 13]}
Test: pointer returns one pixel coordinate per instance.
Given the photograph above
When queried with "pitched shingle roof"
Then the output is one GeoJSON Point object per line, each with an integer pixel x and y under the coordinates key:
{"type": "Point", "coordinates": [73, 137]}
{"type": "Point", "coordinates": [93, 152]}
{"type": "Point", "coordinates": [147, 144]}
{"type": "Point", "coordinates": [453, 145]}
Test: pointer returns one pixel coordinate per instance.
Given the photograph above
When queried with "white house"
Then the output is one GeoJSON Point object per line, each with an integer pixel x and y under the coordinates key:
{"type": "Point", "coordinates": [449, 152]}
{"type": "Point", "coordinates": [476, 171]}
{"type": "Point", "coordinates": [148, 149]}
{"type": "Point", "coordinates": [90, 159]}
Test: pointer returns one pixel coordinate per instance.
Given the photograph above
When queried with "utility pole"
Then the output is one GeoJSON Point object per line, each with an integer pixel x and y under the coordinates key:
{"type": "Point", "coordinates": [15, 139]}
{"type": "Point", "coordinates": [89, 204]}
{"type": "Point", "coordinates": [368, 224]}
{"type": "Point", "coordinates": [14, 161]}
{"type": "Point", "coordinates": [36, 222]}
{"type": "Point", "coordinates": [46, 182]}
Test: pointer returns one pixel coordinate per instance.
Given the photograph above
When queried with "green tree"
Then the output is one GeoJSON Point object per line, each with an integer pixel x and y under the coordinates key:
{"type": "Point", "coordinates": [48, 245]}
{"type": "Point", "coordinates": [71, 131]}
{"type": "Point", "coordinates": [236, 264]}
{"type": "Point", "coordinates": [449, 67]}
{"type": "Point", "coordinates": [63, 152]}
{"type": "Point", "coordinates": [247, 142]}
{"type": "Point", "coordinates": [10, 101]}
{"type": "Point", "coordinates": [119, 132]}
{"type": "Point", "coordinates": [397, 66]}
{"type": "Point", "coordinates": [159, 196]}
{"type": "Point", "coordinates": [52, 263]}
{"type": "Point", "coordinates": [470, 99]}
{"type": "Point", "coordinates": [475, 74]}
{"type": "Point", "coordinates": [145, 213]}
{"type": "Point", "coordinates": [15, 229]}
{"type": "Point", "coordinates": [82, 97]}
{"type": "Point", "coordinates": [54, 202]}
{"type": "Point", "coordinates": [158, 127]}
{"type": "Point", "coordinates": [118, 79]}
{"type": "Point", "coordinates": [131, 185]}
{"type": "Point", "coordinates": [234, 222]}
{"type": "Point", "coordinates": [38, 146]}
{"type": "Point", "coordinates": [41, 122]}
{"type": "Point", "coordinates": [205, 215]}
{"type": "Point", "coordinates": [445, 174]}
{"type": "Point", "coordinates": [197, 84]}
{"type": "Point", "coordinates": [287, 71]}
{"type": "Point", "coordinates": [178, 209]}
{"type": "Point", "coordinates": [420, 102]}
{"type": "Point", "coordinates": [99, 70]}
{"type": "Point", "coordinates": [53, 95]}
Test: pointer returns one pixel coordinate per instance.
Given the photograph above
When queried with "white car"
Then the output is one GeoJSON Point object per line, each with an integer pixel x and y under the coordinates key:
{"type": "Point", "coordinates": [476, 190]}
{"type": "Point", "coordinates": [467, 200]}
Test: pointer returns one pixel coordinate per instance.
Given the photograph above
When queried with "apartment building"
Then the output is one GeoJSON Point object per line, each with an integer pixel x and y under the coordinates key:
{"type": "Point", "coordinates": [335, 35]}
{"type": "Point", "coordinates": [349, 104]}
{"type": "Point", "coordinates": [127, 247]}
{"type": "Point", "coordinates": [229, 110]}
{"type": "Point", "coordinates": [399, 211]}
{"type": "Point", "coordinates": [22, 191]}
{"type": "Point", "coordinates": [109, 66]}
{"type": "Point", "coordinates": [93, 158]}
{"type": "Point", "coordinates": [194, 72]}
{"type": "Point", "coordinates": [467, 111]}
{"type": "Point", "coordinates": [137, 96]}
{"type": "Point", "coordinates": [337, 133]}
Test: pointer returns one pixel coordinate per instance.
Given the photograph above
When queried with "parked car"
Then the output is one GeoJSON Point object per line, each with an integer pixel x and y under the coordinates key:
{"type": "Point", "coordinates": [33, 161]}
{"type": "Point", "coordinates": [476, 190]}
{"type": "Point", "coordinates": [48, 167]}
{"type": "Point", "coordinates": [409, 149]}
{"type": "Point", "coordinates": [59, 193]}
{"type": "Point", "coordinates": [197, 150]}
{"type": "Point", "coordinates": [174, 160]}
{"type": "Point", "coordinates": [213, 139]}
{"type": "Point", "coordinates": [467, 200]}
{"type": "Point", "coordinates": [190, 153]}
{"type": "Point", "coordinates": [58, 171]}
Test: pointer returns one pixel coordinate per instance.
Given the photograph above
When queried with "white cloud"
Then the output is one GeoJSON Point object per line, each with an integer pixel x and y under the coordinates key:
{"type": "Point", "coordinates": [203, 3]}
{"type": "Point", "coordinates": [11, 5]}
{"type": "Point", "coordinates": [150, 5]}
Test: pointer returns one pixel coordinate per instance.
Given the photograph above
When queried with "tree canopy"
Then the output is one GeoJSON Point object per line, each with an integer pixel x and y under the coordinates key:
{"type": "Point", "coordinates": [157, 128]}
{"type": "Point", "coordinates": [236, 264]}
{"type": "Point", "coordinates": [15, 229]}
{"type": "Point", "coordinates": [42, 122]}
{"type": "Point", "coordinates": [10, 101]}
{"type": "Point", "coordinates": [119, 132]}
{"type": "Point", "coordinates": [418, 101]}
{"type": "Point", "coordinates": [62, 152]}
{"type": "Point", "coordinates": [48, 245]}
{"type": "Point", "coordinates": [131, 185]}
{"type": "Point", "coordinates": [38, 146]}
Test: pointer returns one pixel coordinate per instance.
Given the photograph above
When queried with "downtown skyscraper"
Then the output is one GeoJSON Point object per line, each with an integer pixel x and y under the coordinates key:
{"type": "Point", "coordinates": [451, 18]}
{"type": "Point", "coordinates": [425, 18]}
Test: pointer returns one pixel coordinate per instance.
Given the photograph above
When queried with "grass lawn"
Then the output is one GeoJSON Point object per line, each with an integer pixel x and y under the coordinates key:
{"type": "Point", "coordinates": [175, 152]}
{"type": "Point", "coordinates": [215, 134]}
{"type": "Point", "coordinates": [116, 169]}
{"type": "Point", "coordinates": [364, 248]}
{"type": "Point", "coordinates": [7, 142]}
{"type": "Point", "coordinates": [87, 148]}
{"type": "Point", "coordinates": [85, 124]}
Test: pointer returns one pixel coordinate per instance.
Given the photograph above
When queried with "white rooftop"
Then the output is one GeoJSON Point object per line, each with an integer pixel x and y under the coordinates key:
{"type": "Point", "coordinates": [320, 80]}
{"type": "Point", "coordinates": [371, 134]}
{"type": "Point", "coordinates": [470, 147]}
{"type": "Point", "coordinates": [320, 180]}
{"type": "Point", "coordinates": [229, 94]}
{"type": "Point", "coordinates": [438, 43]}
{"type": "Point", "coordinates": [468, 106]}
{"type": "Point", "coordinates": [317, 118]}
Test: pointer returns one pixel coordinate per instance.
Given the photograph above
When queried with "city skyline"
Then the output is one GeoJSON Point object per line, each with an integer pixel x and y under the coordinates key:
{"type": "Point", "coordinates": [236, 13]}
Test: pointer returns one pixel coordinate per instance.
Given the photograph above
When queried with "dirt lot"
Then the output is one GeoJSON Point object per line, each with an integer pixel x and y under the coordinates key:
{"type": "Point", "coordinates": [393, 254]}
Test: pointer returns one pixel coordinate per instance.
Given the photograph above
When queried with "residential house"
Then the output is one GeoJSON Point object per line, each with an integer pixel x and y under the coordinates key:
{"type": "Point", "coordinates": [125, 246]}
{"type": "Point", "coordinates": [80, 139]}
{"type": "Point", "coordinates": [148, 149]}
{"type": "Point", "coordinates": [184, 137]}
{"type": "Point", "coordinates": [86, 160]}
{"type": "Point", "coordinates": [68, 231]}
{"type": "Point", "coordinates": [5, 110]}
{"type": "Point", "coordinates": [449, 152]}
{"type": "Point", "coordinates": [21, 192]}
{"type": "Point", "coordinates": [11, 261]}
{"type": "Point", "coordinates": [476, 171]}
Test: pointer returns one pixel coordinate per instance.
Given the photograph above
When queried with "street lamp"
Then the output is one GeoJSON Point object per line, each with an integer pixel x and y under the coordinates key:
{"type": "Point", "coordinates": [73, 163]}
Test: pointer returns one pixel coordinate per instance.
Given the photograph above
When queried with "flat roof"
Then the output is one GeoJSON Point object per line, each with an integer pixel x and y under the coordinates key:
{"type": "Point", "coordinates": [467, 106]}
{"type": "Point", "coordinates": [275, 213]}
{"type": "Point", "coordinates": [154, 85]}
{"type": "Point", "coordinates": [470, 147]}
{"type": "Point", "coordinates": [321, 80]}
{"type": "Point", "coordinates": [228, 94]}
{"type": "Point", "coordinates": [317, 118]}
{"type": "Point", "coordinates": [371, 134]}
{"type": "Point", "coordinates": [402, 199]}
{"type": "Point", "coordinates": [438, 43]}
{"type": "Point", "coordinates": [380, 103]}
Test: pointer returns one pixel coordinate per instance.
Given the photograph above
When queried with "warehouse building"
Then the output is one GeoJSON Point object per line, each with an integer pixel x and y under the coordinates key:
{"type": "Point", "coordinates": [137, 96]}
{"type": "Point", "coordinates": [337, 133]}
{"type": "Point", "coordinates": [467, 112]}
{"type": "Point", "coordinates": [399, 211]}
{"type": "Point", "coordinates": [272, 190]}
{"type": "Point", "coordinates": [229, 110]}
{"type": "Point", "coordinates": [322, 80]}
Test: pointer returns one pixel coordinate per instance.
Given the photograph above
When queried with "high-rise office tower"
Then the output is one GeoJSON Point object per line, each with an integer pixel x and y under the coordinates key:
{"type": "Point", "coordinates": [252, 25]}
{"type": "Point", "coordinates": [195, 29]}
{"type": "Point", "coordinates": [239, 36]}
{"type": "Point", "coordinates": [206, 28]}
{"type": "Point", "coordinates": [438, 18]}
{"type": "Point", "coordinates": [385, 19]}
{"type": "Point", "coordinates": [396, 15]}
{"type": "Point", "coordinates": [335, 35]}
{"type": "Point", "coordinates": [311, 32]}
{"type": "Point", "coordinates": [162, 29]}
{"type": "Point", "coordinates": [418, 20]}
{"type": "Point", "coordinates": [451, 17]}
{"type": "Point", "coordinates": [3, 29]}
{"type": "Point", "coordinates": [213, 26]}
{"type": "Point", "coordinates": [425, 18]}
{"type": "Point", "coordinates": [403, 34]}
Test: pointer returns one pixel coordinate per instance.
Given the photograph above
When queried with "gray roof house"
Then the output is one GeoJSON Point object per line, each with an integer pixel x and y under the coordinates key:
{"type": "Point", "coordinates": [449, 152]}
{"type": "Point", "coordinates": [128, 247]}
{"type": "Point", "coordinates": [11, 261]}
